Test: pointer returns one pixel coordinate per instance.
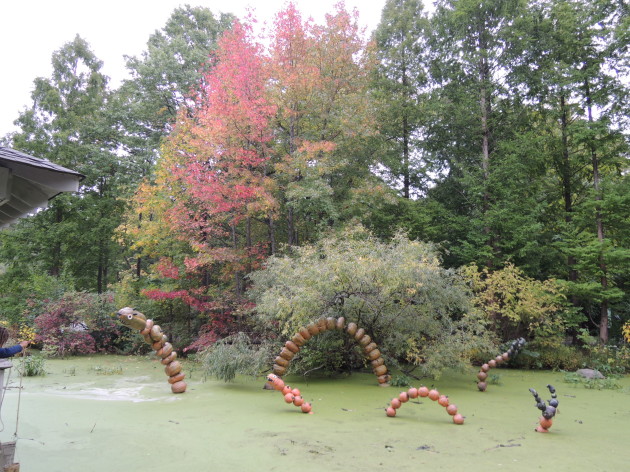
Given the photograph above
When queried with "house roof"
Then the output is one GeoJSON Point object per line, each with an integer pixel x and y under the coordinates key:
{"type": "Point", "coordinates": [27, 183]}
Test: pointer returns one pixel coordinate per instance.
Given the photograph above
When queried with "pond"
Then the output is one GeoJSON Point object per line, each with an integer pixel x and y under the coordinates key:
{"type": "Point", "coordinates": [105, 413]}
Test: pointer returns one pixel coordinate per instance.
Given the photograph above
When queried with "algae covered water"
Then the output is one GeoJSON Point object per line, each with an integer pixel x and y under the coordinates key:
{"type": "Point", "coordinates": [106, 413]}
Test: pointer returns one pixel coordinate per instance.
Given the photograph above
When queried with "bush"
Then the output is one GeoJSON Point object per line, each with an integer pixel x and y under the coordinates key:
{"type": "Point", "coordinates": [559, 357]}
{"type": "Point", "coordinates": [413, 308]}
{"type": "Point", "coordinates": [609, 359]}
{"type": "Point", "coordinates": [79, 323]}
{"type": "Point", "coordinates": [518, 306]}
{"type": "Point", "coordinates": [328, 353]}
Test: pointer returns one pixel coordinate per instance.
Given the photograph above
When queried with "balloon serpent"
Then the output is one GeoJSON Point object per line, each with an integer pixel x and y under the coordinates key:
{"type": "Point", "coordinates": [154, 336]}
{"type": "Point", "coordinates": [299, 339]}
{"type": "Point", "coordinates": [370, 349]}
{"type": "Point", "coordinates": [515, 347]}
{"type": "Point", "coordinates": [424, 392]}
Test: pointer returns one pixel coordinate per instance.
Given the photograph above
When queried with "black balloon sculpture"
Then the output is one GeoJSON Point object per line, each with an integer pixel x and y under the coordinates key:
{"type": "Point", "coordinates": [548, 411]}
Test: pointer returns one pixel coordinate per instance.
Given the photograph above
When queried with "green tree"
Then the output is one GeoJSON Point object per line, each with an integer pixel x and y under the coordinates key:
{"type": "Point", "coordinates": [467, 124]}
{"type": "Point", "coordinates": [163, 78]}
{"type": "Point", "coordinates": [321, 160]}
{"type": "Point", "coordinates": [568, 70]}
{"type": "Point", "coordinates": [399, 81]}
{"type": "Point", "coordinates": [68, 125]}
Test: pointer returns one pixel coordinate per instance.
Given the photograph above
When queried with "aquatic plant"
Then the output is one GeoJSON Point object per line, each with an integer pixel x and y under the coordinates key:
{"type": "Point", "coordinates": [233, 355]}
{"type": "Point", "coordinates": [107, 370]}
{"type": "Point", "coordinates": [32, 366]}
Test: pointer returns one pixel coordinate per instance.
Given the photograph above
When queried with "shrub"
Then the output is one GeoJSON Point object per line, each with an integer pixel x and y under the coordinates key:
{"type": "Point", "coordinates": [81, 323]}
{"type": "Point", "coordinates": [561, 358]}
{"type": "Point", "coordinates": [519, 306]}
{"type": "Point", "coordinates": [328, 353]}
{"type": "Point", "coordinates": [78, 323]}
{"type": "Point", "coordinates": [558, 357]}
{"type": "Point", "coordinates": [414, 309]}
{"type": "Point", "coordinates": [400, 380]}
{"type": "Point", "coordinates": [609, 359]}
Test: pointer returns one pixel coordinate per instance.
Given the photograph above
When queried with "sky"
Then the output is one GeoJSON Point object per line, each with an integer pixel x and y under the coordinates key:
{"type": "Point", "coordinates": [31, 30]}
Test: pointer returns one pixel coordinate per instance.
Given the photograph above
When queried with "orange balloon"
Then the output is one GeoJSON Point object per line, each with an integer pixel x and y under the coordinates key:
{"type": "Point", "coordinates": [458, 419]}
{"type": "Point", "coordinates": [298, 400]}
{"type": "Point", "coordinates": [306, 407]}
{"type": "Point", "coordinates": [403, 397]}
{"type": "Point", "coordinates": [395, 403]}
{"type": "Point", "coordinates": [443, 400]}
{"type": "Point", "coordinates": [545, 423]}
{"type": "Point", "coordinates": [423, 392]}
{"type": "Point", "coordinates": [289, 397]}
{"type": "Point", "coordinates": [179, 387]}
{"type": "Point", "coordinates": [391, 412]}
{"type": "Point", "coordinates": [451, 409]}
{"type": "Point", "coordinates": [412, 392]}
{"type": "Point", "coordinates": [434, 395]}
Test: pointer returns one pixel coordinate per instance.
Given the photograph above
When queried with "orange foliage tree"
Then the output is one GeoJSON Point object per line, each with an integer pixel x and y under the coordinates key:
{"type": "Point", "coordinates": [271, 148]}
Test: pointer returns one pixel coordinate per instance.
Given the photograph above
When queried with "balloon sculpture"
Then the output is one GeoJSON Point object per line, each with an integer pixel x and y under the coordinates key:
{"type": "Point", "coordinates": [509, 354]}
{"type": "Point", "coordinates": [154, 336]}
{"type": "Point", "coordinates": [433, 394]}
{"type": "Point", "coordinates": [548, 412]}
{"type": "Point", "coordinates": [291, 395]}
{"type": "Point", "coordinates": [370, 349]}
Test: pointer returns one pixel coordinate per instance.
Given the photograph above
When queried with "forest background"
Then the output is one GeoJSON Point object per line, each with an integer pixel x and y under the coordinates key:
{"type": "Point", "coordinates": [455, 181]}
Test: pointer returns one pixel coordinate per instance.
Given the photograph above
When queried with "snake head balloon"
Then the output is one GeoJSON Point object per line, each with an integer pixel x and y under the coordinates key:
{"type": "Point", "coordinates": [132, 318]}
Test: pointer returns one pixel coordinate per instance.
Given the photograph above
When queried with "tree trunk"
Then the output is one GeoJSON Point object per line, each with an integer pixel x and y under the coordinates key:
{"type": "Point", "coordinates": [405, 133]}
{"type": "Point", "coordinates": [486, 110]}
{"type": "Point", "coordinates": [139, 258]}
{"type": "Point", "coordinates": [603, 320]}
{"type": "Point", "coordinates": [565, 170]}
{"type": "Point", "coordinates": [248, 243]}
{"type": "Point", "coordinates": [238, 278]}
{"type": "Point", "coordinates": [272, 234]}
{"type": "Point", "coordinates": [290, 227]}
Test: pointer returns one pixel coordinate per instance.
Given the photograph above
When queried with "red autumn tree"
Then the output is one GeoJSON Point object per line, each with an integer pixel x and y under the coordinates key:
{"type": "Point", "coordinates": [211, 191]}
{"type": "Point", "coordinates": [223, 174]}
{"type": "Point", "coordinates": [226, 148]}
{"type": "Point", "coordinates": [272, 143]}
